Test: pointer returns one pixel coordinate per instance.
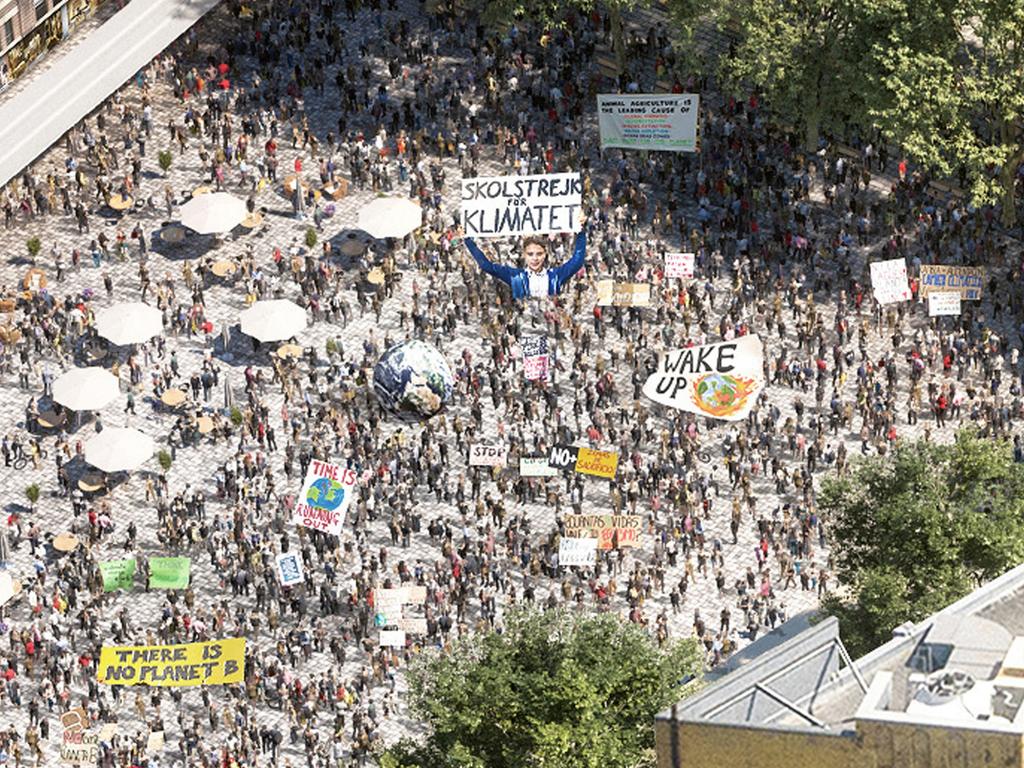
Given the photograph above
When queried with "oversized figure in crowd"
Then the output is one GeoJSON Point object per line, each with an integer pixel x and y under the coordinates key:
{"type": "Point", "coordinates": [536, 280]}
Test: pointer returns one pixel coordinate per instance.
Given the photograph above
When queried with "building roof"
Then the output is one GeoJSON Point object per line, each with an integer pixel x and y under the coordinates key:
{"type": "Point", "coordinates": [963, 665]}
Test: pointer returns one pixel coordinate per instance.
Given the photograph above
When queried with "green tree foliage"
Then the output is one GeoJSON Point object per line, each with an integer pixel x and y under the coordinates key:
{"type": "Point", "coordinates": [918, 529]}
{"type": "Point", "coordinates": [553, 689]}
{"type": "Point", "coordinates": [958, 100]}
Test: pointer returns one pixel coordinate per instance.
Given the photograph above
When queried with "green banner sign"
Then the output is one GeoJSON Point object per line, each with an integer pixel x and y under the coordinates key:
{"type": "Point", "coordinates": [118, 574]}
{"type": "Point", "coordinates": [169, 572]}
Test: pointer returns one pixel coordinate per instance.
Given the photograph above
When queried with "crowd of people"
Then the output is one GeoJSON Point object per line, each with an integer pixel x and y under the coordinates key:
{"type": "Point", "coordinates": [396, 101]}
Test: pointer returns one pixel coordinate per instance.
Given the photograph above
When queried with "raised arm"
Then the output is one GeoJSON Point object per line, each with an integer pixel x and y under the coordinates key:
{"type": "Point", "coordinates": [499, 271]}
{"type": "Point", "coordinates": [576, 261]}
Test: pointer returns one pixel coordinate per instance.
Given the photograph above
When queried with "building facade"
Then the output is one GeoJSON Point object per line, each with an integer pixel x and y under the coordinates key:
{"type": "Point", "coordinates": [29, 28]}
{"type": "Point", "coordinates": [946, 693]}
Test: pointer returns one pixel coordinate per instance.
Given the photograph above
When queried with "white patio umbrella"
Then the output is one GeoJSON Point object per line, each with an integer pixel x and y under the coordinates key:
{"type": "Point", "coordinates": [213, 214]}
{"type": "Point", "coordinates": [273, 320]}
{"type": "Point", "coordinates": [131, 322]}
{"type": "Point", "coordinates": [118, 449]}
{"type": "Point", "coordinates": [85, 389]}
{"type": "Point", "coordinates": [390, 217]}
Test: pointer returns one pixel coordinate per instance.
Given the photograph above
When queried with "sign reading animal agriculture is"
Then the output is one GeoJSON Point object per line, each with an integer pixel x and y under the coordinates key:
{"type": "Point", "coordinates": [720, 380]}
{"type": "Point", "coordinates": [665, 121]}
{"type": "Point", "coordinates": [217, 662]}
{"type": "Point", "coordinates": [325, 497]}
{"type": "Point", "coordinates": [507, 206]}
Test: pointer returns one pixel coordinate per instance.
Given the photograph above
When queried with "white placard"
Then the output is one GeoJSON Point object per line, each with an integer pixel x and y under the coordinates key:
{"type": "Point", "coordinates": [659, 121]}
{"type": "Point", "coordinates": [289, 569]}
{"type": "Point", "coordinates": [507, 206]}
{"type": "Point", "coordinates": [481, 455]}
{"type": "Point", "coordinates": [325, 497]}
{"type": "Point", "coordinates": [943, 303]}
{"type": "Point", "coordinates": [679, 265]}
{"type": "Point", "coordinates": [392, 638]}
{"type": "Point", "coordinates": [411, 625]}
{"type": "Point", "coordinates": [720, 380]}
{"type": "Point", "coordinates": [889, 281]}
{"type": "Point", "coordinates": [536, 362]}
{"type": "Point", "coordinates": [6, 586]}
{"type": "Point", "coordinates": [577, 551]}
{"type": "Point", "coordinates": [536, 466]}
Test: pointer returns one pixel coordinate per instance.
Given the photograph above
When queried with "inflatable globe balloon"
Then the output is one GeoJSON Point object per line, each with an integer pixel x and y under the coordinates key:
{"type": "Point", "coordinates": [413, 380]}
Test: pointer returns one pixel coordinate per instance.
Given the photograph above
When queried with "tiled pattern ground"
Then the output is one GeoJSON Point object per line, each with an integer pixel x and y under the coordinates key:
{"type": "Point", "coordinates": [195, 466]}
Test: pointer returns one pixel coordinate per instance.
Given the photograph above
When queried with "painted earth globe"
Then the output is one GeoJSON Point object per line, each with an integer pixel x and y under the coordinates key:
{"type": "Point", "coordinates": [413, 380]}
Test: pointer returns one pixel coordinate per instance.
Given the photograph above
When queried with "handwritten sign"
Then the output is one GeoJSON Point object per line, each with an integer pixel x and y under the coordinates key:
{"type": "Point", "coordinates": [536, 363]}
{"type": "Point", "coordinates": [392, 638]}
{"type": "Point", "coordinates": [577, 551]}
{"type": "Point", "coordinates": [720, 380]}
{"type": "Point", "coordinates": [942, 278]}
{"type": "Point", "coordinates": [481, 455]}
{"type": "Point", "coordinates": [679, 265]}
{"type": "Point", "coordinates": [889, 281]}
{"type": "Point", "coordinates": [536, 466]}
{"type": "Point", "coordinates": [325, 497]}
{"type": "Point", "coordinates": [597, 463]}
{"type": "Point", "coordinates": [612, 294]}
{"type": "Point", "coordinates": [507, 206]}
{"type": "Point", "coordinates": [289, 569]}
{"type": "Point", "coordinates": [217, 662]}
{"type": "Point", "coordinates": [942, 303]}
{"type": "Point", "coordinates": [658, 121]}
{"type": "Point", "coordinates": [611, 531]}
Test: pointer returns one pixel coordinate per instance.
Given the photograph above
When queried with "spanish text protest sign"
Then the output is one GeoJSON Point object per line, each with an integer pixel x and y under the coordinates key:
{"type": "Point", "coordinates": [536, 466]}
{"type": "Point", "coordinates": [610, 530]}
{"type": "Point", "coordinates": [289, 569]}
{"type": "Point", "coordinates": [169, 572]}
{"type": "Point", "coordinates": [325, 497]}
{"type": "Point", "coordinates": [577, 551]}
{"type": "Point", "coordinates": [217, 662]}
{"type": "Point", "coordinates": [679, 265]}
{"type": "Point", "coordinates": [942, 303]}
{"type": "Point", "coordinates": [118, 574]}
{"type": "Point", "coordinates": [536, 363]}
{"type": "Point", "coordinates": [659, 121]}
{"type": "Point", "coordinates": [889, 281]}
{"type": "Point", "coordinates": [481, 455]}
{"type": "Point", "coordinates": [508, 206]}
{"type": "Point", "coordinates": [967, 281]}
{"type": "Point", "coordinates": [597, 463]}
{"type": "Point", "coordinates": [612, 294]}
{"type": "Point", "coordinates": [719, 380]}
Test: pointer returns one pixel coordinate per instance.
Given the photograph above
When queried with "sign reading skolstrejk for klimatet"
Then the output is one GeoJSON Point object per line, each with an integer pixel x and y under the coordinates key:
{"type": "Point", "coordinates": [509, 206]}
{"type": "Point", "coordinates": [658, 121]}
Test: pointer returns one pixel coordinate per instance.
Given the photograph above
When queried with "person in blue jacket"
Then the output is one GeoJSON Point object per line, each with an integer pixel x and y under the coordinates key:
{"type": "Point", "coordinates": [535, 280]}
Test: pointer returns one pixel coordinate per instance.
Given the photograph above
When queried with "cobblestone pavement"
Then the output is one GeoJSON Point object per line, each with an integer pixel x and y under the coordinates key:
{"type": "Point", "coordinates": [195, 466]}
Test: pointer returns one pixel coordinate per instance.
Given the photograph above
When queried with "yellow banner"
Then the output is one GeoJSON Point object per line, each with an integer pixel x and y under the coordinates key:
{"type": "Point", "coordinates": [218, 662]}
{"type": "Point", "coordinates": [599, 463]}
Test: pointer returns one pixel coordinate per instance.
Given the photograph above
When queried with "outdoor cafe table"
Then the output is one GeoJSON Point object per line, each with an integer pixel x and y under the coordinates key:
{"type": "Point", "coordinates": [289, 350]}
{"type": "Point", "coordinates": [223, 268]}
{"type": "Point", "coordinates": [173, 398]}
{"type": "Point", "coordinates": [49, 419]}
{"type": "Point", "coordinates": [120, 203]}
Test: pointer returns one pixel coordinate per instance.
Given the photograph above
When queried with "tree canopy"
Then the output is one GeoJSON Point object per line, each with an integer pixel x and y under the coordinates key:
{"type": "Point", "coordinates": [553, 689]}
{"type": "Point", "coordinates": [918, 529]}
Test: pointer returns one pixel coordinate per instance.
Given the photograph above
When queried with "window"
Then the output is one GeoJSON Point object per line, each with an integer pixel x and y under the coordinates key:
{"type": "Point", "coordinates": [8, 32]}
{"type": "Point", "coordinates": [41, 10]}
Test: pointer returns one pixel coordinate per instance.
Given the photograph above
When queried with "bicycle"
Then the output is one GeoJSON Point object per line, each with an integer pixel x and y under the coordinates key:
{"type": "Point", "coordinates": [24, 459]}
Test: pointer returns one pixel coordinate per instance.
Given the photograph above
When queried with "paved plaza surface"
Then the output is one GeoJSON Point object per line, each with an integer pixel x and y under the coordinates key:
{"type": "Point", "coordinates": [306, 722]}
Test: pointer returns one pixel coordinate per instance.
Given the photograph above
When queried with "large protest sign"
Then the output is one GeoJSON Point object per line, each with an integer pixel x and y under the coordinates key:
{"type": "Point", "coordinates": [169, 572]}
{"type": "Point", "coordinates": [536, 363]}
{"type": "Point", "coordinates": [289, 569]}
{"type": "Point", "coordinates": [217, 662]}
{"type": "Point", "coordinates": [889, 281]}
{"type": "Point", "coordinates": [597, 463]}
{"type": "Point", "coordinates": [660, 121]}
{"type": "Point", "coordinates": [536, 466]}
{"type": "Point", "coordinates": [679, 265]}
{"type": "Point", "coordinates": [78, 747]}
{"type": "Point", "coordinates": [563, 456]}
{"type": "Point", "coordinates": [412, 625]}
{"type": "Point", "coordinates": [942, 303]}
{"type": "Point", "coordinates": [325, 497]}
{"type": "Point", "coordinates": [967, 281]}
{"type": "Point", "coordinates": [577, 551]}
{"type": "Point", "coordinates": [612, 294]}
{"type": "Point", "coordinates": [481, 455]}
{"type": "Point", "coordinates": [720, 380]}
{"type": "Point", "coordinates": [388, 602]}
{"type": "Point", "coordinates": [119, 574]}
{"type": "Point", "coordinates": [610, 530]}
{"type": "Point", "coordinates": [507, 206]}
